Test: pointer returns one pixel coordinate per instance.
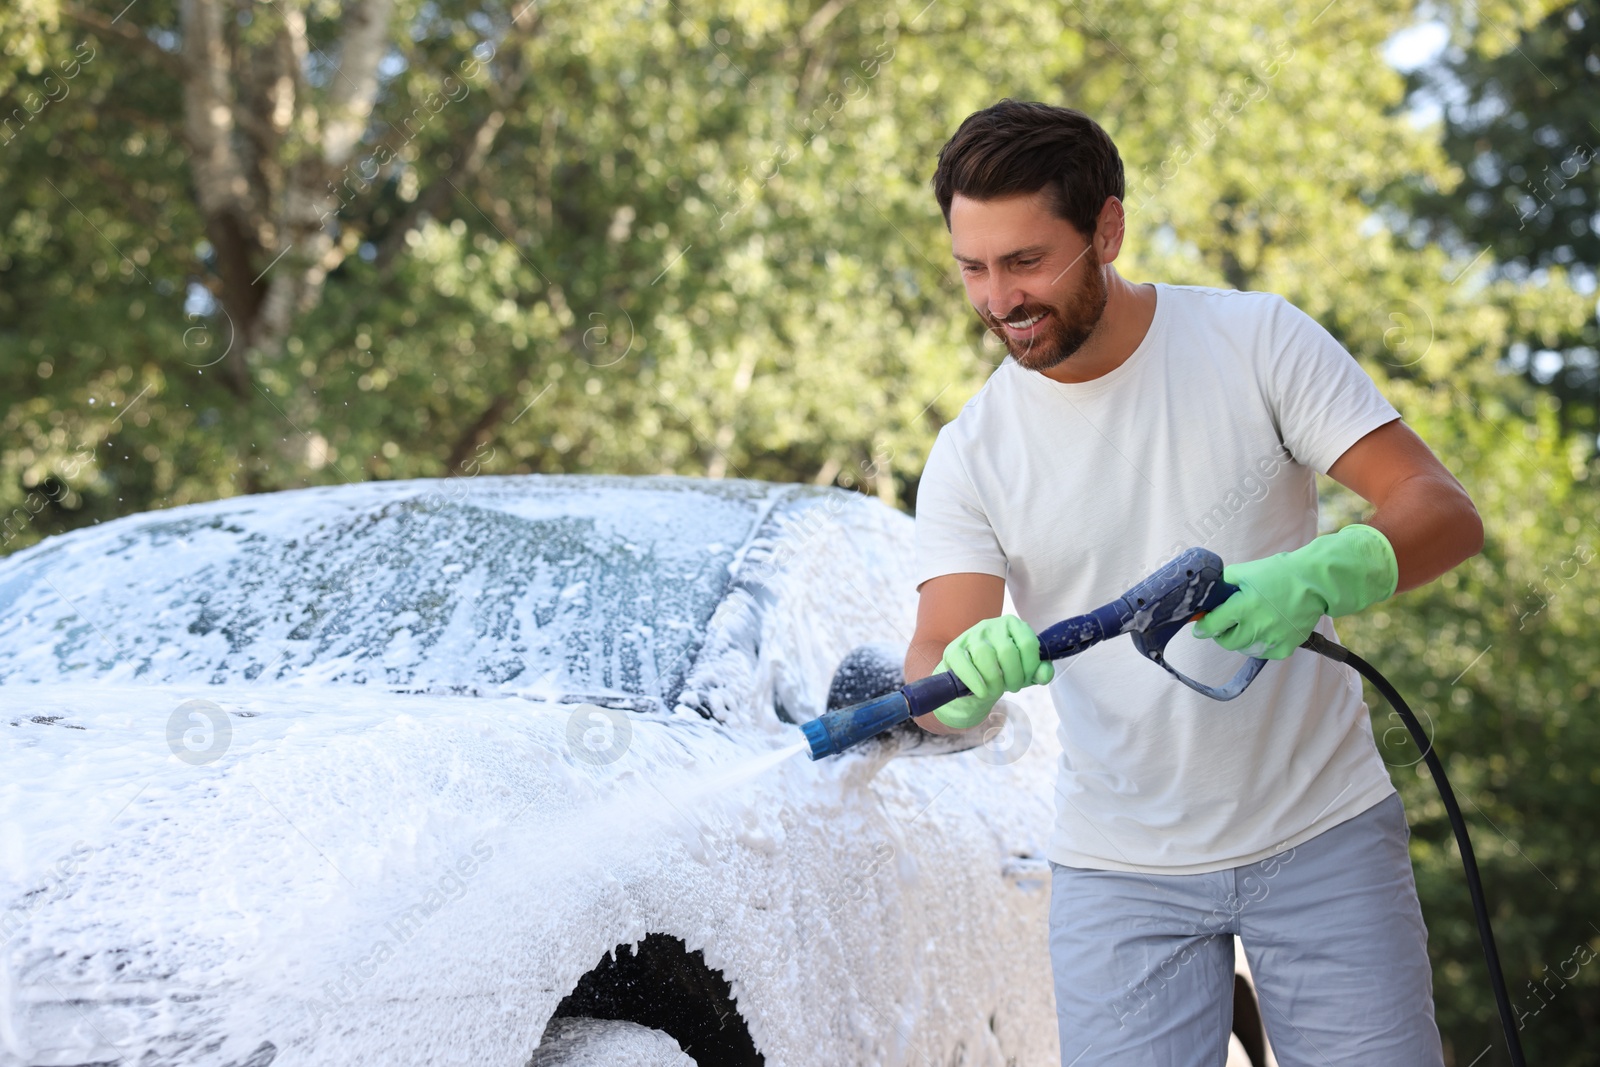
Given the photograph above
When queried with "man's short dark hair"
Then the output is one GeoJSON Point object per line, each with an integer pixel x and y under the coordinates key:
{"type": "Point", "coordinates": [1019, 147]}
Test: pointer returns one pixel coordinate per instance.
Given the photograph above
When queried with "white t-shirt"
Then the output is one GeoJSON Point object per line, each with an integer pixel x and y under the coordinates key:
{"type": "Point", "coordinates": [1207, 435]}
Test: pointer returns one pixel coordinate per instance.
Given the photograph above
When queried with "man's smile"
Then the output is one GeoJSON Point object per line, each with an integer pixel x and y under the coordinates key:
{"type": "Point", "coordinates": [1024, 329]}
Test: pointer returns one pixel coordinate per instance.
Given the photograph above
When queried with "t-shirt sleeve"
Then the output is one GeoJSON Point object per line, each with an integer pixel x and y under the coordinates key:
{"type": "Point", "coordinates": [953, 531]}
{"type": "Point", "coordinates": [1322, 401]}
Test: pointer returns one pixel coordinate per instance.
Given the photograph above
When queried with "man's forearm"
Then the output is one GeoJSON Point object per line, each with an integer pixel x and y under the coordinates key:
{"type": "Point", "coordinates": [946, 607]}
{"type": "Point", "coordinates": [1432, 526]}
{"type": "Point", "coordinates": [921, 659]}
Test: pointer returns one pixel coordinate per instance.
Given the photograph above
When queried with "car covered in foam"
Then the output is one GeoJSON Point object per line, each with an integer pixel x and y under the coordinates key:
{"type": "Point", "coordinates": [502, 770]}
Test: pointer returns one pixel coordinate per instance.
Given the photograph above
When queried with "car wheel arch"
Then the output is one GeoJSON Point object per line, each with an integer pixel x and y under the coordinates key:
{"type": "Point", "coordinates": [660, 983]}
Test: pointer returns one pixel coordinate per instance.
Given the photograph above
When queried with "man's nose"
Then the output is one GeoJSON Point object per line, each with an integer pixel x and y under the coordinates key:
{"type": "Point", "coordinates": [1004, 295]}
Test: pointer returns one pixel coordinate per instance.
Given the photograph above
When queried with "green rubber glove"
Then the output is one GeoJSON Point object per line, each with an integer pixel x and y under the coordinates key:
{"type": "Point", "coordinates": [993, 657]}
{"type": "Point", "coordinates": [1281, 598]}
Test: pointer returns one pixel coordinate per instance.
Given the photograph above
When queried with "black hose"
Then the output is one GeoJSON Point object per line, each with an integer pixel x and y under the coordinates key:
{"type": "Point", "coordinates": [1337, 652]}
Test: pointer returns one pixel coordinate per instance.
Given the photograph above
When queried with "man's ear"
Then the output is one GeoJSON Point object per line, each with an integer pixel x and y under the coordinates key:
{"type": "Point", "coordinates": [1110, 226]}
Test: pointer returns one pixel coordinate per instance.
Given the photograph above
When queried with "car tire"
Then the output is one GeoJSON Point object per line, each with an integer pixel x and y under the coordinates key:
{"type": "Point", "coordinates": [579, 1042]}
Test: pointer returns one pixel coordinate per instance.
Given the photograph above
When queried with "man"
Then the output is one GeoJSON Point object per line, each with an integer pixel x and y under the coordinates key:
{"type": "Point", "coordinates": [1130, 422]}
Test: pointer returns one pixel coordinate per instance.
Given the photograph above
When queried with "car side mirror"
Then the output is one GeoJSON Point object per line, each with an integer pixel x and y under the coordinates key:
{"type": "Point", "coordinates": [870, 671]}
{"type": "Point", "coordinates": [867, 672]}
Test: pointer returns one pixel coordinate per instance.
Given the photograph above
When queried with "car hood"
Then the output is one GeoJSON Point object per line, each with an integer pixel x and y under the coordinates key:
{"type": "Point", "coordinates": [226, 872]}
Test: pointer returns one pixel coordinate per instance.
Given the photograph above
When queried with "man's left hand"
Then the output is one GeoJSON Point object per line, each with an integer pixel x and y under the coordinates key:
{"type": "Point", "coordinates": [1281, 598]}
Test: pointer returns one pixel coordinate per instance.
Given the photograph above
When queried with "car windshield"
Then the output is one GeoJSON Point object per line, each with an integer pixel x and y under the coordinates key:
{"type": "Point", "coordinates": [561, 588]}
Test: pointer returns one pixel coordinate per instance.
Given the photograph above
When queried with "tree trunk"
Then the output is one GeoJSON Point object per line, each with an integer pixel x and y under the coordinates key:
{"type": "Point", "coordinates": [264, 155]}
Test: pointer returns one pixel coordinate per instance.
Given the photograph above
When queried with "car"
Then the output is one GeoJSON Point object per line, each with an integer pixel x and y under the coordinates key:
{"type": "Point", "coordinates": [505, 770]}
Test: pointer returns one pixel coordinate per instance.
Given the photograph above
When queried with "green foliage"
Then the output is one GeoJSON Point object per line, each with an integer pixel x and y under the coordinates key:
{"type": "Point", "coordinates": [1525, 181]}
{"type": "Point", "coordinates": [1498, 657]}
{"type": "Point", "coordinates": [701, 240]}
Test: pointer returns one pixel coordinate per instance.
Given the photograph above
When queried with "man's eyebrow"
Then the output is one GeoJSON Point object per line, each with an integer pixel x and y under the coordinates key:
{"type": "Point", "coordinates": [1021, 253]}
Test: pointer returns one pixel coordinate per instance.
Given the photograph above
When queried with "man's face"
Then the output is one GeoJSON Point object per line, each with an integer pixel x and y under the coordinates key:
{"type": "Point", "coordinates": [1034, 280]}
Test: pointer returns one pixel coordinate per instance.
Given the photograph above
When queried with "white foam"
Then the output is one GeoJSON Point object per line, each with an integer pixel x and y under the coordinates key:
{"type": "Point", "coordinates": [373, 877]}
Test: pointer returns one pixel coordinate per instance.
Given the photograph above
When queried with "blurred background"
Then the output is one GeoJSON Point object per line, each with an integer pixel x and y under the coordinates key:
{"type": "Point", "coordinates": [250, 246]}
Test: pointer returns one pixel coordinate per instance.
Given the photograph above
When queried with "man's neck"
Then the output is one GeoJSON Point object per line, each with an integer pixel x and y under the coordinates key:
{"type": "Point", "coordinates": [1122, 326]}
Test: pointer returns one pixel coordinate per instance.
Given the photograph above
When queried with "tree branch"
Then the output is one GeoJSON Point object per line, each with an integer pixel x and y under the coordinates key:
{"type": "Point", "coordinates": [474, 435]}
{"type": "Point", "coordinates": [355, 87]}
{"type": "Point", "coordinates": [478, 432]}
{"type": "Point", "coordinates": [819, 21]}
{"type": "Point", "coordinates": [137, 206]}
{"type": "Point", "coordinates": [469, 157]}
{"type": "Point", "coordinates": [125, 31]}
{"type": "Point", "coordinates": [221, 187]}
{"type": "Point", "coordinates": [208, 106]}
{"type": "Point", "coordinates": [472, 150]}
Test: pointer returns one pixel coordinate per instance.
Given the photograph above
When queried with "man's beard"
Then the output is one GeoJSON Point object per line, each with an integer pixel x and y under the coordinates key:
{"type": "Point", "coordinates": [1066, 328]}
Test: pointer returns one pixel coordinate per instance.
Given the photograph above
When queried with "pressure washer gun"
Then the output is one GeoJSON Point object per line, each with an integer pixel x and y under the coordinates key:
{"type": "Point", "coordinates": [1152, 612]}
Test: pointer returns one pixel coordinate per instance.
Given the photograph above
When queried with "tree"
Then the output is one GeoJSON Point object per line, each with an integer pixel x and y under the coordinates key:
{"type": "Point", "coordinates": [1520, 128]}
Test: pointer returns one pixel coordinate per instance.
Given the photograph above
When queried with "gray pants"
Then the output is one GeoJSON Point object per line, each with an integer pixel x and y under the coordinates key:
{"type": "Point", "coordinates": [1331, 928]}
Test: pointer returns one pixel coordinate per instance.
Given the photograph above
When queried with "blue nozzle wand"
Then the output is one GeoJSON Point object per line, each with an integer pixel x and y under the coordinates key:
{"type": "Point", "coordinates": [1152, 611]}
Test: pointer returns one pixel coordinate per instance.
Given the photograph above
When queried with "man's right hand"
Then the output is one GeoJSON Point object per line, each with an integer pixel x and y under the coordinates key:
{"type": "Point", "coordinates": [993, 657]}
